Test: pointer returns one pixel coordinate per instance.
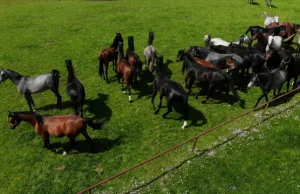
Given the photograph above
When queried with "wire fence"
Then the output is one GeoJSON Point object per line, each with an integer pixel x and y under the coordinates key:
{"type": "Point", "coordinates": [195, 139]}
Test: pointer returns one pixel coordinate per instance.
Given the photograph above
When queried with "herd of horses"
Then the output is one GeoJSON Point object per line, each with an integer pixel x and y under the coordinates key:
{"type": "Point", "coordinates": [218, 65]}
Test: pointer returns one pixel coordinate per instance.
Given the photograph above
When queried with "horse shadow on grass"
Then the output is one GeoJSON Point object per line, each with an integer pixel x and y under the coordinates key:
{"type": "Point", "coordinates": [82, 146]}
{"type": "Point", "coordinates": [98, 107]}
{"type": "Point", "coordinates": [218, 95]}
{"type": "Point", "coordinates": [200, 153]}
{"type": "Point", "coordinates": [194, 115]}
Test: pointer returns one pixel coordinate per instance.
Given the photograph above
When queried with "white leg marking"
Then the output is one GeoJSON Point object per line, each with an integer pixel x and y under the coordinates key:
{"type": "Point", "coordinates": [129, 98]}
{"type": "Point", "coordinates": [64, 153]}
{"type": "Point", "coordinates": [184, 124]}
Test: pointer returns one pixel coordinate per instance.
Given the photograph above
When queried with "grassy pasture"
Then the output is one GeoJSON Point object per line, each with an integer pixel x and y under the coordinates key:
{"type": "Point", "coordinates": [37, 36]}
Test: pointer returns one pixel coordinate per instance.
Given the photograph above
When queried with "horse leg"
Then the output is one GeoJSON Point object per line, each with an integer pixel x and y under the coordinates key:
{"type": "Point", "coordinates": [169, 104]}
{"type": "Point", "coordinates": [58, 96]}
{"type": "Point", "coordinates": [46, 140]}
{"type": "Point", "coordinates": [88, 138]}
{"type": "Point", "coordinates": [295, 82]}
{"type": "Point", "coordinates": [106, 71]}
{"type": "Point", "coordinates": [28, 99]}
{"type": "Point", "coordinates": [210, 90]}
{"type": "Point", "coordinates": [129, 93]}
{"type": "Point", "coordinates": [71, 142]}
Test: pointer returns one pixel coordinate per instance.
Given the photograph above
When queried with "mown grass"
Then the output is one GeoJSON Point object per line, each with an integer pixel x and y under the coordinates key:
{"type": "Point", "coordinates": [37, 36]}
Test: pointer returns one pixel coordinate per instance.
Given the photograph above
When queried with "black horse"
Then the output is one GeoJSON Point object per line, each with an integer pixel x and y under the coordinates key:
{"type": "Point", "coordinates": [75, 89]}
{"type": "Point", "coordinates": [213, 76]}
{"type": "Point", "coordinates": [268, 82]}
{"type": "Point", "coordinates": [172, 90]}
{"type": "Point", "coordinates": [293, 69]}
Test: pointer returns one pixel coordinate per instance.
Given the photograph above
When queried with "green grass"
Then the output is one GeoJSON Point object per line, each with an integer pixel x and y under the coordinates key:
{"type": "Point", "coordinates": [37, 36]}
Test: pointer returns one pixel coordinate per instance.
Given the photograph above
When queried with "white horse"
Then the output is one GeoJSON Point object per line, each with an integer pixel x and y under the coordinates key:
{"type": "Point", "coordinates": [270, 19]}
{"type": "Point", "coordinates": [218, 41]}
{"type": "Point", "coordinates": [274, 42]}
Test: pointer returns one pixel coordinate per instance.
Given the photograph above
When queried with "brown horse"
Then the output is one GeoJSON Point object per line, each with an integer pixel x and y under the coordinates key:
{"type": "Point", "coordinates": [61, 125]}
{"type": "Point", "coordinates": [126, 71]}
{"type": "Point", "coordinates": [290, 30]}
{"type": "Point", "coordinates": [109, 54]}
{"type": "Point", "coordinates": [133, 58]}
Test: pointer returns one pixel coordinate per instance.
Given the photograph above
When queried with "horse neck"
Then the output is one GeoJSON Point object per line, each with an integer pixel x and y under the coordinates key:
{"type": "Point", "coordinates": [121, 52]}
{"type": "Point", "coordinates": [28, 117]}
{"type": "Point", "coordinates": [71, 74]}
{"type": "Point", "coordinates": [13, 76]}
{"type": "Point", "coordinates": [115, 43]}
{"type": "Point", "coordinates": [150, 41]}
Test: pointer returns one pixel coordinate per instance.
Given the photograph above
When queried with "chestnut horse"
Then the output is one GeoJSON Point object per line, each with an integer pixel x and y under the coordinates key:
{"type": "Point", "coordinates": [229, 63]}
{"type": "Point", "coordinates": [60, 125]}
{"type": "Point", "coordinates": [133, 58]}
{"type": "Point", "coordinates": [109, 54]}
{"type": "Point", "coordinates": [126, 71]}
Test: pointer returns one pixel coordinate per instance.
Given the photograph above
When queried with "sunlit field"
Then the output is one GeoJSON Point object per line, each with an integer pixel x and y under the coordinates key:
{"type": "Point", "coordinates": [255, 154]}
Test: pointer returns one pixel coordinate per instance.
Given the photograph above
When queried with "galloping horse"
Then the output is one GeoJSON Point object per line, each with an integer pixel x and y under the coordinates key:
{"type": "Point", "coordinates": [213, 76]}
{"type": "Point", "coordinates": [210, 42]}
{"type": "Point", "coordinates": [133, 58]}
{"type": "Point", "coordinates": [172, 90]}
{"type": "Point", "coordinates": [217, 59]}
{"type": "Point", "coordinates": [109, 54]}
{"type": "Point", "coordinates": [126, 71]}
{"type": "Point", "coordinates": [268, 82]}
{"type": "Point", "coordinates": [31, 85]}
{"type": "Point", "coordinates": [75, 89]}
{"type": "Point", "coordinates": [60, 125]}
{"type": "Point", "coordinates": [150, 52]}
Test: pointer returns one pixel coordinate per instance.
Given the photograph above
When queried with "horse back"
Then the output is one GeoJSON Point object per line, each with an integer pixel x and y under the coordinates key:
{"type": "Point", "coordinates": [63, 125]}
{"type": "Point", "coordinates": [107, 53]}
{"type": "Point", "coordinates": [36, 84]}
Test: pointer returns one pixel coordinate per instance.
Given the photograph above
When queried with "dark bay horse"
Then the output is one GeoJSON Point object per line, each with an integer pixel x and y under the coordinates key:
{"type": "Point", "coordinates": [275, 30]}
{"type": "Point", "coordinates": [125, 71]}
{"type": "Point", "coordinates": [31, 85]}
{"type": "Point", "coordinates": [75, 89]}
{"type": "Point", "coordinates": [150, 52]}
{"type": "Point", "coordinates": [172, 90]}
{"type": "Point", "coordinates": [133, 58]}
{"type": "Point", "coordinates": [109, 54]}
{"type": "Point", "coordinates": [213, 76]}
{"type": "Point", "coordinates": [60, 125]}
{"type": "Point", "coordinates": [268, 82]}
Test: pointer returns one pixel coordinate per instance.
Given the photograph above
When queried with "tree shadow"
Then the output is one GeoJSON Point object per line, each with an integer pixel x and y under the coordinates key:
{"type": "Point", "coordinates": [98, 107]}
{"type": "Point", "coordinates": [194, 115]}
{"type": "Point", "coordinates": [82, 146]}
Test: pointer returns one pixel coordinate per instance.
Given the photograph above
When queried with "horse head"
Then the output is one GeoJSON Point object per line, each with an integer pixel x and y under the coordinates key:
{"type": "Point", "coordinates": [119, 38]}
{"type": "Point", "coordinates": [180, 55]}
{"type": "Point", "coordinates": [254, 81]}
{"type": "Point", "coordinates": [3, 76]}
{"type": "Point", "coordinates": [13, 119]}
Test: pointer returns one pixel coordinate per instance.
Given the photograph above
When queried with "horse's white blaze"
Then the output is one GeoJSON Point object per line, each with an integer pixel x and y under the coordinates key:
{"type": "Point", "coordinates": [184, 124]}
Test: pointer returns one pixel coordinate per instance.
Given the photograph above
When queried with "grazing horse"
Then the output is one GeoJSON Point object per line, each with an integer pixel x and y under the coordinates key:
{"type": "Point", "coordinates": [133, 58]}
{"type": "Point", "coordinates": [75, 89]}
{"type": "Point", "coordinates": [268, 82]}
{"type": "Point", "coordinates": [109, 54]}
{"type": "Point", "coordinates": [31, 85]}
{"type": "Point", "coordinates": [150, 52]}
{"type": "Point", "coordinates": [172, 90]}
{"type": "Point", "coordinates": [60, 125]}
{"type": "Point", "coordinates": [270, 19]}
{"type": "Point", "coordinates": [126, 71]}
{"type": "Point", "coordinates": [213, 76]}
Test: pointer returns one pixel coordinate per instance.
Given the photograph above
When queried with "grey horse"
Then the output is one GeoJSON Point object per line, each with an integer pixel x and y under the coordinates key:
{"type": "Point", "coordinates": [31, 85]}
{"type": "Point", "coordinates": [150, 52]}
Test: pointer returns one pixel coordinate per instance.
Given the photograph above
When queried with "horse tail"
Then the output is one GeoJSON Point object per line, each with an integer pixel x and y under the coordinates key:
{"type": "Point", "coordinates": [231, 86]}
{"type": "Point", "coordinates": [101, 61]}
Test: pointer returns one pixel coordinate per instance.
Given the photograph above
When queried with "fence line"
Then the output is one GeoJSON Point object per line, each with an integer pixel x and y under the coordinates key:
{"type": "Point", "coordinates": [184, 142]}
